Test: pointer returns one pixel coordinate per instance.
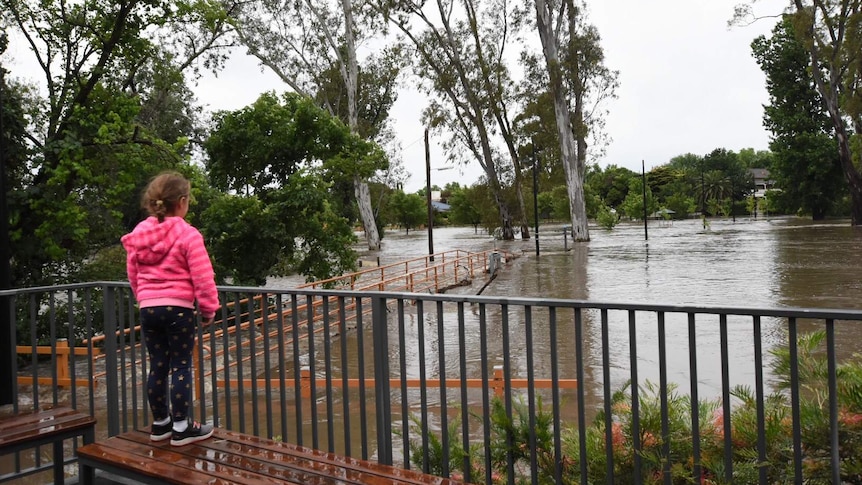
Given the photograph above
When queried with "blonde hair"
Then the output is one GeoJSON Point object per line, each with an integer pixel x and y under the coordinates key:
{"type": "Point", "coordinates": [163, 194]}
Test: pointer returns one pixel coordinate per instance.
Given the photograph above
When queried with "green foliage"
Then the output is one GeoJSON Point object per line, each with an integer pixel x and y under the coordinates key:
{"type": "Point", "coordinates": [560, 203]}
{"type": "Point", "coordinates": [633, 205]}
{"type": "Point", "coordinates": [805, 164]}
{"type": "Point", "coordinates": [115, 112]}
{"type": "Point", "coordinates": [672, 453]}
{"type": "Point", "coordinates": [408, 210]}
{"type": "Point", "coordinates": [464, 206]}
{"type": "Point", "coordinates": [259, 147]}
{"type": "Point", "coordinates": [291, 229]}
{"type": "Point", "coordinates": [681, 204]}
{"type": "Point", "coordinates": [606, 218]}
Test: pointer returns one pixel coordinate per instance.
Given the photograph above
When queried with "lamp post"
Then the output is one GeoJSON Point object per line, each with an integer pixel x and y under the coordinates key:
{"type": "Point", "coordinates": [428, 197]}
{"type": "Point", "coordinates": [536, 194]}
{"type": "Point", "coordinates": [643, 182]}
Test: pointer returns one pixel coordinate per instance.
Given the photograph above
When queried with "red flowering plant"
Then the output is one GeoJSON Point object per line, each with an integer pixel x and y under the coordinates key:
{"type": "Point", "coordinates": [672, 453]}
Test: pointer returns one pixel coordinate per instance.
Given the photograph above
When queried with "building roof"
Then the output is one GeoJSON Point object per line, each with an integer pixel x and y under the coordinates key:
{"type": "Point", "coordinates": [440, 206]}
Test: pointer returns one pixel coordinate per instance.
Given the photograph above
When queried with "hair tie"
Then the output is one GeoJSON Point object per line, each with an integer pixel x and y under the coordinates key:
{"type": "Point", "coordinates": [159, 203]}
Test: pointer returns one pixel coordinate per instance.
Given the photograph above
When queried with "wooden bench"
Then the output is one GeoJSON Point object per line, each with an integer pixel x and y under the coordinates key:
{"type": "Point", "coordinates": [24, 431]}
{"type": "Point", "coordinates": [230, 457]}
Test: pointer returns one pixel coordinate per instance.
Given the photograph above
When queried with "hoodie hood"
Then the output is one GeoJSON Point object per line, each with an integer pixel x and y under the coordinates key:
{"type": "Point", "coordinates": [151, 240]}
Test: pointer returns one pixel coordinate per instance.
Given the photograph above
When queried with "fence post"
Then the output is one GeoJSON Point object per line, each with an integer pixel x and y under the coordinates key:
{"type": "Point", "coordinates": [62, 362]}
{"type": "Point", "coordinates": [112, 386]}
{"type": "Point", "coordinates": [380, 338]}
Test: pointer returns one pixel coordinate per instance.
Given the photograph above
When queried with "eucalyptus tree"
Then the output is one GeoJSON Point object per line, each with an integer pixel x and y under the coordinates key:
{"type": "Point", "coordinates": [304, 43]}
{"type": "Point", "coordinates": [831, 33]}
{"type": "Point", "coordinates": [576, 79]}
{"type": "Point", "coordinates": [805, 164]}
{"type": "Point", "coordinates": [460, 52]}
{"type": "Point", "coordinates": [91, 148]}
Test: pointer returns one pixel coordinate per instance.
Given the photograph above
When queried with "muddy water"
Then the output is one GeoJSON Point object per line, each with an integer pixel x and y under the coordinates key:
{"type": "Point", "coordinates": [785, 262]}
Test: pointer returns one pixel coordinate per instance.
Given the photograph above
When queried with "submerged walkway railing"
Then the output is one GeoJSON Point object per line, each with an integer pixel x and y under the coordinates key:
{"type": "Point", "coordinates": [663, 394]}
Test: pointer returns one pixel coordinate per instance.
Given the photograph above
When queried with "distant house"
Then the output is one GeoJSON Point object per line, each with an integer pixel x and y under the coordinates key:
{"type": "Point", "coordinates": [436, 202]}
{"type": "Point", "coordinates": [762, 181]}
{"type": "Point", "coordinates": [440, 206]}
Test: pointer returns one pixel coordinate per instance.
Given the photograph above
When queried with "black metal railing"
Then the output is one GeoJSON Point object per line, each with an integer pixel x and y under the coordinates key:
{"type": "Point", "coordinates": [473, 386]}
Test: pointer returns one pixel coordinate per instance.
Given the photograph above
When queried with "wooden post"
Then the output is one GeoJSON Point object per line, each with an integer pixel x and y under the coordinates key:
{"type": "Point", "coordinates": [498, 384]}
{"type": "Point", "coordinates": [305, 381]}
{"type": "Point", "coordinates": [62, 362]}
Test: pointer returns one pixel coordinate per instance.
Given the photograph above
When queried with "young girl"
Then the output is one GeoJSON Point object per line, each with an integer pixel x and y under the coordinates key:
{"type": "Point", "coordinates": [169, 269]}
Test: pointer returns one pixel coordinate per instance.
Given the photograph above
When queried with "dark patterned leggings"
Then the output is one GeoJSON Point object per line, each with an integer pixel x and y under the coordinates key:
{"type": "Point", "coordinates": [169, 333]}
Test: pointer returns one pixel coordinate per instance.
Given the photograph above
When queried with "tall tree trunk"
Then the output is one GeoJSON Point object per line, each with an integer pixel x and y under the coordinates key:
{"type": "Point", "coordinates": [350, 73]}
{"type": "Point", "coordinates": [572, 157]}
{"type": "Point", "coordinates": [831, 91]}
{"type": "Point", "coordinates": [363, 201]}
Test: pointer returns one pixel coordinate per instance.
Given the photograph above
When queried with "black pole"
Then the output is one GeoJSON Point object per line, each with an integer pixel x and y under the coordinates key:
{"type": "Point", "coordinates": [643, 180]}
{"type": "Point", "coordinates": [702, 197]}
{"type": "Point", "coordinates": [428, 199]}
{"type": "Point", "coordinates": [536, 195]}
{"type": "Point", "coordinates": [732, 200]}
{"type": "Point", "coordinates": [6, 325]}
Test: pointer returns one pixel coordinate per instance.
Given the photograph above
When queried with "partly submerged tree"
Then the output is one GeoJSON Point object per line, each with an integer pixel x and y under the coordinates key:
{"type": "Point", "coordinates": [279, 154]}
{"type": "Point", "coordinates": [806, 165]}
{"type": "Point", "coordinates": [830, 31]}
{"type": "Point", "coordinates": [304, 43]}
{"type": "Point", "coordinates": [460, 56]}
{"type": "Point", "coordinates": [408, 210]}
{"type": "Point", "coordinates": [289, 229]}
{"type": "Point", "coordinates": [576, 74]}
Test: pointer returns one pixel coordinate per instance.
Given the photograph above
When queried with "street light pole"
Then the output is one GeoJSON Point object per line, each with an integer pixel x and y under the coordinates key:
{"type": "Point", "coordinates": [536, 194]}
{"type": "Point", "coordinates": [428, 199]}
{"type": "Point", "coordinates": [643, 182]}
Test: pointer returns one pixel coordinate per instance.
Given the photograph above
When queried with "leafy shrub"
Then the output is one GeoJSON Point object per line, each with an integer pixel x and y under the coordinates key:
{"type": "Point", "coordinates": [673, 453]}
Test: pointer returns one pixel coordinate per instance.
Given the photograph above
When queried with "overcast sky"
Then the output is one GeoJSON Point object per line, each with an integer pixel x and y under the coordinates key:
{"type": "Point", "coordinates": [688, 84]}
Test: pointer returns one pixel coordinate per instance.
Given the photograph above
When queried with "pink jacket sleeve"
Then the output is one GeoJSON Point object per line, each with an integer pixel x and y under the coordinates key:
{"type": "Point", "coordinates": [132, 270]}
{"type": "Point", "coordinates": [202, 274]}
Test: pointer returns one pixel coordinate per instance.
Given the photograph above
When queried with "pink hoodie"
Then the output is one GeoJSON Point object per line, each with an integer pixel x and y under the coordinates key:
{"type": "Point", "coordinates": [168, 261]}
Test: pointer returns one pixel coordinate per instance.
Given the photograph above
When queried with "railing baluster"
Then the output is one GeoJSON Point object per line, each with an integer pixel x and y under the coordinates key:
{"type": "Point", "coordinates": [582, 418]}
{"type": "Point", "coordinates": [725, 399]}
{"type": "Point", "coordinates": [555, 397]}
{"type": "Point", "coordinates": [531, 393]}
{"type": "Point", "coordinates": [327, 370]}
{"type": "Point", "coordinates": [441, 368]}
{"type": "Point", "coordinates": [402, 371]}
{"type": "Point", "coordinates": [380, 324]}
{"type": "Point", "coordinates": [345, 389]}
{"type": "Point", "coordinates": [486, 400]}
{"type": "Point", "coordinates": [608, 397]}
{"type": "Point", "coordinates": [832, 372]}
{"type": "Point", "coordinates": [423, 389]}
{"type": "Point", "coordinates": [636, 423]}
{"type": "Point", "coordinates": [695, 400]}
{"type": "Point", "coordinates": [759, 397]}
{"type": "Point", "coordinates": [240, 388]}
{"type": "Point", "coordinates": [297, 367]}
{"type": "Point", "coordinates": [794, 401]}
{"type": "Point", "coordinates": [465, 403]}
{"type": "Point", "coordinates": [267, 366]}
{"type": "Point", "coordinates": [663, 392]}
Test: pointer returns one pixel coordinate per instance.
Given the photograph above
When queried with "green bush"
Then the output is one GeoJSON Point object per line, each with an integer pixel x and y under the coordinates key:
{"type": "Point", "coordinates": [674, 452]}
